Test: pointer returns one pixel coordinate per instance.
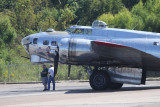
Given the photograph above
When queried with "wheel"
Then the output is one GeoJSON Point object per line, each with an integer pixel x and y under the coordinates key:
{"type": "Point", "coordinates": [115, 85]}
{"type": "Point", "coordinates": [99, 80]}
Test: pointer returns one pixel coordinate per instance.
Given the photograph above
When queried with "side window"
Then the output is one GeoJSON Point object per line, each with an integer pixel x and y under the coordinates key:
{"type": "Point", "coordinates": [35, 40]}
{"type": "Point", "coordinates": [88, 31]}
{"type": "Point", "coordinates": [54, 43]}
{"type": "Point", "coordinates": [45, 42]}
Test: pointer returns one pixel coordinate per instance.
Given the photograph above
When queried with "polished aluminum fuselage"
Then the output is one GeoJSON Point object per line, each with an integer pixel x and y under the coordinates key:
{"type": "Point", "coordinates": [77, 48]}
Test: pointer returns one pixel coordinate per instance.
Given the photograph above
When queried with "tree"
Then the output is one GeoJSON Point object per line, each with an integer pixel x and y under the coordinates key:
{"type": "Point", "coordinates": [7, 32]}
{"type": "Point", "coordinates": [117, 6]}
{"type": "Point", "coordinates": [24, 17]}
{"type": "Point", "coordinates": [130, 3]}
{"type": "Point", "coordinates": [7, 4]}
{"type": "Point", "coordinates": [141, 17]}
{"type": "Point", "coordinates": [46, 19]}
{"type": "Point", "coordinates": [66, 16]}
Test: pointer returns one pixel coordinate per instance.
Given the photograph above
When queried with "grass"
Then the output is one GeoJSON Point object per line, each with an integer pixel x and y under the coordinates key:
{"type": "Point", "coordinates": [29, 73]}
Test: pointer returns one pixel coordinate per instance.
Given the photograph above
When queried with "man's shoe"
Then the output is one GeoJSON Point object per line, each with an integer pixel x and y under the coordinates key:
{"type": "Point", "coordinates": [45, 90]}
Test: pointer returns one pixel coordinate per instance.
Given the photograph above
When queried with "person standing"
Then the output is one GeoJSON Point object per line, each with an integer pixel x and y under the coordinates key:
{"type": "Point", "coordinates": [51, 77]}
{"type": "Point", "coordinates": [44, 76]}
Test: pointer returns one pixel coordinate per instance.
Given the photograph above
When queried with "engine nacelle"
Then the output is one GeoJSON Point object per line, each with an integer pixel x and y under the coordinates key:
{"type": "Point", "coordinates": [76, 51]}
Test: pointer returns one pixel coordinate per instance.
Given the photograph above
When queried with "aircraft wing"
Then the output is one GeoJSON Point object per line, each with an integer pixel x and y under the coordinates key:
{"type": "Point", "coordinates": [117, 53]}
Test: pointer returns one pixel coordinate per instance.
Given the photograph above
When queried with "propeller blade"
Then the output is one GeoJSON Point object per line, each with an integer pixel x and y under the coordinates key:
{"type": "Point", "coordinates": [56, 63]}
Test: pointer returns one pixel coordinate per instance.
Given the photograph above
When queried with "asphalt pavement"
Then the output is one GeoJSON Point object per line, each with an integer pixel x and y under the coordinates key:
{"type": "Point", "coordinates": [79, 94]}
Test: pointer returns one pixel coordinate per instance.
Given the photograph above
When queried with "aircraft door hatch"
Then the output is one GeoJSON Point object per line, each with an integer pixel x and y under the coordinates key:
{"type": "Point", "coordinates": [153, 45]}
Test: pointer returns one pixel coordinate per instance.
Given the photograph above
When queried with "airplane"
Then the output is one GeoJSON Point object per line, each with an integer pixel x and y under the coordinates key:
{"type": "Point", "coordinates": [112, 56]}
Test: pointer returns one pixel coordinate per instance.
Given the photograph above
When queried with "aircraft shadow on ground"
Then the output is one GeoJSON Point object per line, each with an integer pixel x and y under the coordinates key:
{"type": "Point", "coordinates": [111, 90]}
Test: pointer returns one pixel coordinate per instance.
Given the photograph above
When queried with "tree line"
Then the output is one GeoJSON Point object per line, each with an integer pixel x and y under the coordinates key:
{"type": "Point", "coordinates": [142, 16]}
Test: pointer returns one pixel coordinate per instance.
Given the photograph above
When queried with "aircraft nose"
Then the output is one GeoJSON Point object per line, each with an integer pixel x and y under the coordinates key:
{"type": "Point", "coordinates": [25, 42]}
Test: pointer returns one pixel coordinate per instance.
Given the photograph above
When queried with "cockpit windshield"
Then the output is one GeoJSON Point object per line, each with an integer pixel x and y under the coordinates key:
{"type": "Point", "coordinates": [82, 31]}
{"type": "Point", "coordinates": [70, 30]}
{"type": "Point", "coordinates": [79, 31]}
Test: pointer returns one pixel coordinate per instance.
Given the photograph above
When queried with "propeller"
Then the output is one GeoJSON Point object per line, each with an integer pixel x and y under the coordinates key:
{"type": "Point", "coordinates": [56, 59]}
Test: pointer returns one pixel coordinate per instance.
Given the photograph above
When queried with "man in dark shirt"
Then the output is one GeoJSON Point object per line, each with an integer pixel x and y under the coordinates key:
{"type": "Point", "coordinates": [44, 76]}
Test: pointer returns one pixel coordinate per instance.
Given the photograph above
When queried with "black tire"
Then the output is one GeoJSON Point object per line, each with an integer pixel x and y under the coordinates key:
{"type": "Point", "coordinates": [115, 85]}
{"type": "Point", "coordinates": [99, 80]}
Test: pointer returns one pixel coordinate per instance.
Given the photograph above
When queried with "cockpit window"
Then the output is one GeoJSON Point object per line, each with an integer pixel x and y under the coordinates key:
{"type": "Point", "coordinates": [45, 42]}
{"type": "Point", "coordinates": [35, 40]}
{"type": "Point", "coordinates": [83, 31]}
{"type": "Point", "coordinates": [78, 31]}
{"type": "Point", "coordinates": [54, 43]}
{"type": "Point", "coordinates": [70, 30]}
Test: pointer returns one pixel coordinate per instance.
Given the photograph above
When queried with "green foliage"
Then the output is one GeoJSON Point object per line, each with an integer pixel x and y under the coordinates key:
{"type": "Point", "coordinates": [19, 73]}
{"type": "Point", "coordinates": [46, 19]}
{"type": "Point", "coordinates": [122, 20]}
{"type": "Point", "coordinates": [7, 32]}
{"type": "Point", "coordinates": [130, 3]}
{"type": "Point", "coordinates": [89, 10]}
{"type": "Point", "coordinates": [1, 73]}
{"type": "Point", "coordinates": [27, 73]}
{"type": "Point", "coordinates": [25, 17]}
{"type": "Point", "coordinates": [117, 5]}
{"type": "Point", "coordinates": [141, 17]}
{"type": "Point", "coordinates": [149, 15]}
{"type": "Point", "coordinates": [65, 18]}
{"type": "Point", "coordinates": [7, 4]}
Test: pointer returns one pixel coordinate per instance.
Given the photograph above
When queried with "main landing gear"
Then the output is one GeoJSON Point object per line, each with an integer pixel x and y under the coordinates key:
{"type": "Point", "coordinates": [100, 80]}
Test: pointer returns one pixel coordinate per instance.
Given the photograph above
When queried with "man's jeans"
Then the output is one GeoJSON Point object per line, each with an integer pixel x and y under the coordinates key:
{"type": "Point", "coordinates": [49, 81]}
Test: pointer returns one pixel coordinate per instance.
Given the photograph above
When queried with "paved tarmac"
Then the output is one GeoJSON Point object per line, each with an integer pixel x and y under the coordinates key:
{"type": "Point", "coordinates": [79, 94]}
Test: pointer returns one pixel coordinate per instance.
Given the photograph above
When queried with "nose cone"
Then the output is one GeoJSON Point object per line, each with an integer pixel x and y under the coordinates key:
{"type": "Point", "coordinates": [25, 42]}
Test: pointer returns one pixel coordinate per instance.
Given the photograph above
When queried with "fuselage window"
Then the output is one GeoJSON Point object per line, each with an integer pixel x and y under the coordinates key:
{"type": "Point", "coordinates": [35, 40]}
{"type": "Point", "coordinates": [88, 31]}
{"type": "Point", "coordinates": [54, 43]}
{"type": "Point", "coordinates": [45, 42]}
